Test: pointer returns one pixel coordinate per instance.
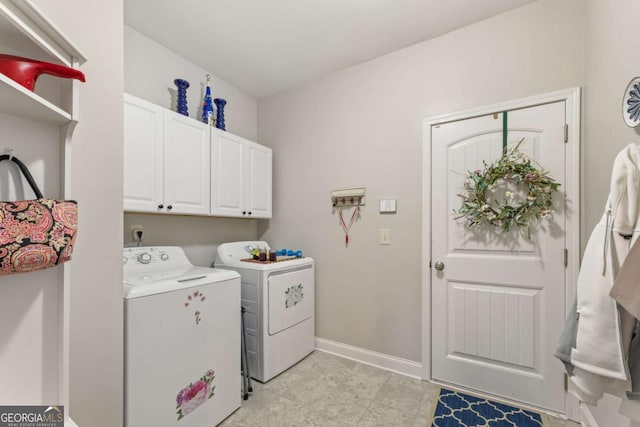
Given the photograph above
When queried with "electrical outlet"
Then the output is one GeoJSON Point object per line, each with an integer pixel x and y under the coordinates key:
{"type": "Point", "coordinates": [136, 232]}
{"type": "Point", "coordinates": [385, 236]}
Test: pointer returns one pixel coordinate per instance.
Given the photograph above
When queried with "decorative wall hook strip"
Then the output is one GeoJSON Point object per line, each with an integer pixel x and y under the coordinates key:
{"type": "Point", "coordinates": [346, 201]}
{"type": "Point", "coordinates": [348, 197]}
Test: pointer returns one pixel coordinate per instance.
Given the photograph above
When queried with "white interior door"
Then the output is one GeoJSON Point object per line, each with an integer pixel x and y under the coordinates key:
{"type": "Point", "coordinates": [498, 304]}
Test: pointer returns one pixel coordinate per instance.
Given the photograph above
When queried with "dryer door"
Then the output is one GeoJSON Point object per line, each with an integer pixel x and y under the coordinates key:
{"type": "Point", "coordinates": [290, 298]}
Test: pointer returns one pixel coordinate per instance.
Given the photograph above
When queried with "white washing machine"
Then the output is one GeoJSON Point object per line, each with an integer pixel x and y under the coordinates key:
{"type": "Point", "coordinates": [279, 299]}
{"type": "Point", "coordinates": [182, 340]}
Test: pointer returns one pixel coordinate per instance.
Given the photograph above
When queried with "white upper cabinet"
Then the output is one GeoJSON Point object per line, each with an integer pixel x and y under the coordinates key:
{"type": "Point", "coordinates": [240, 177]}
{"type": "Point", "coordinates": [258, 181]}
{"type": "Point", "coordinates": [166, 160]}
{"type": "Point", "coordinates": [186, 165]}
{"type": "Point", "coordinates": [227, 174]}
{"type": "Point", "coordinates": [143, 155]}
{"type": "Point", "coordinates": [174, 164]}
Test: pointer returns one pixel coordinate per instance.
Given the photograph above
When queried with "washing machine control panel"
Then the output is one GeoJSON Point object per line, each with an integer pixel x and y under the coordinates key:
{"type": "Point", "coordinates": [146, 257]}
{"type": "Point", "coordinates": [153, 258]}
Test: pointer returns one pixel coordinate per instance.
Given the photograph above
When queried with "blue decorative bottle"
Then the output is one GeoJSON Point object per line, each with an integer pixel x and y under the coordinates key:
{"type": "Point", "coordinates": [207, 104]}
{"type": "Point", "coordinates": [182, 86]}
{"type": "Point", "coordinates": [220, 103]}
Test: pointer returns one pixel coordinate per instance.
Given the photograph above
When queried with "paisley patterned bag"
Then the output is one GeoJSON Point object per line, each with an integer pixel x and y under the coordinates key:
{"type": "Point", "coordinates": [35, 234]}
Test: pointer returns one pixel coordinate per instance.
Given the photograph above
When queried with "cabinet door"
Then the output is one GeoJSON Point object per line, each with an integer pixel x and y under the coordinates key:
{"type": "Point", "coordinates": [143, 155]}
{"type": "Point", "coordinates": [258, 180]}
{"type": "Point", "coordinates": [227, 174]}
{"type": "Point", "coordinates": [186, 165]}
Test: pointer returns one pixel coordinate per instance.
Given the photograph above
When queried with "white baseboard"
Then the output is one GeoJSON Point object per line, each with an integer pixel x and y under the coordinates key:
{"type": "Point", "coordinates": [368, 357]}
{"type": "Point", "coordinates": [586, 417]}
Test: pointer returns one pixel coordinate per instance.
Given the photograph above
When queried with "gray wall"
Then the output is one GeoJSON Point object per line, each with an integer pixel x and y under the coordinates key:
{"type": "Point", "coordinates": [96, 282]}
{"type": "Point", "coordinates": [611, 61]}
{"type": "Point", "coordinates": [362, 126]}
{"type": "Point", "coordinates": [149, 71]}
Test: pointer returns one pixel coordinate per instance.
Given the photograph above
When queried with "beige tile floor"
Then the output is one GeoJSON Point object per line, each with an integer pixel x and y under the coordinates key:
{"type": "Point", "coordinates": [326, 390]}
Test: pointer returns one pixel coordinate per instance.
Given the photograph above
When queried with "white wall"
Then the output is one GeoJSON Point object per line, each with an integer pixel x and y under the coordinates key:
{"type": "Point", "coordinates": [611, 61]}
{"type": "Point", "coordinates": [96, 282]}
{"type": "Point", "coordinates": [29, 303]}
{"type": "Point", "coordinates": [365, 123]}
{"type": "Point", "coordinates": [199, 236]}
{"type": "Point", "coordinates": [362, 127]}
{"type": "Point", "coordinates": [149, 71]}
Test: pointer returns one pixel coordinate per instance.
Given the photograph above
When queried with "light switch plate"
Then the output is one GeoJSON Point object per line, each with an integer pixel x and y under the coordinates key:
{"type": "Point", "coordinates": [387, 206]}
{"type": "Point", "coordinates": [385, 236]}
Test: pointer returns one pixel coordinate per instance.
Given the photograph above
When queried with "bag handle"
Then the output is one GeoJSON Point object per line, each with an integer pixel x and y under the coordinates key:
{"type": "Point", "coordinates": [25, 172]}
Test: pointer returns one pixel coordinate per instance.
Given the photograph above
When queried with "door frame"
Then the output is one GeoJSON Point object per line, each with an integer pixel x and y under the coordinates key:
{"type": "Point", "coordinates": [571, 97]}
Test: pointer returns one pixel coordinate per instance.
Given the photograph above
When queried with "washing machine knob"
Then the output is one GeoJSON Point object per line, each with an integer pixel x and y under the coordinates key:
{"type": "Point", "coordinates": [144, 258]}
{"type": "Point", "coordinates": [164, 256]}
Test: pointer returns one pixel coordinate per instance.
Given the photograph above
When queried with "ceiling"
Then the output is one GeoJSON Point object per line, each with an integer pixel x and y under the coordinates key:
{"type": "Point", "coordinates": [266, 46]}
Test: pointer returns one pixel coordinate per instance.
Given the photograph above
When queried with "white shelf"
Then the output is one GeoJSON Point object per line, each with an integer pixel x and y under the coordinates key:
{"type": "Point", "coordinates": [26, 31]}
{"type": "Point", "coordinates": [25, 27]}
{"type": "Point", "coordinates": [17, 100]}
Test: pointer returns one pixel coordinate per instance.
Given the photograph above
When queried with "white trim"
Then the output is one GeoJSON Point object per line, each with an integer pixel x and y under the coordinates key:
{"type": "Point", "coordinates": [572, 189]}
{"type": "Point", "coordinates": [586, 417]}
{"type": "Point", "coordinates": [372, 358]}
{"type": "Point", "coordinates": [426, 250]}
{"type": "Point", "coordinates": [28, 17]}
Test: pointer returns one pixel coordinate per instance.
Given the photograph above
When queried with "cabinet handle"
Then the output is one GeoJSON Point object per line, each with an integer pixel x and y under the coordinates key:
{"type": "Point", "coordinates": [160, 206]}
{"type": "Point", "coordinates": [169, 207]}
{"type": "Point", "coordinates": [249, 212]}
{"type": "Point", "coordinates": [244, 212]}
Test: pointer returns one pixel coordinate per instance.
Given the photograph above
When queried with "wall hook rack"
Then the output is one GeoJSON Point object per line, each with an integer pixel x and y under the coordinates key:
{"type": "Point", "coordinates": [348, 197]}
{"type": "Point", "coordinates": [344, 200]}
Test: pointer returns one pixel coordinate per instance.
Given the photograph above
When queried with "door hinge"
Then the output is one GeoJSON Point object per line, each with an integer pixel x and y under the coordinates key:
{"type": "Point", "coordinates": [566, 382]}
{"type": "Point", "coordinates": [429, 263]}
{"type": "Point", "coordinates": [566, 133]}
{"type": "Point", "coordinates": [566, 257]}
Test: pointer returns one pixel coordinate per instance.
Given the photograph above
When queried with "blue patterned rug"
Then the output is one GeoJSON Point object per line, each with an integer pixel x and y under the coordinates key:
{"type": "Point", "coordinates": [456, 409]}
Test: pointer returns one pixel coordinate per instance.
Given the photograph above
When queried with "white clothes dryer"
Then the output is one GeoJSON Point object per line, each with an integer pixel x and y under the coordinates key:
{"type": "Point", "coordinates": [279, 301]}
{"type": "Point", "coordinates": [182, 340]}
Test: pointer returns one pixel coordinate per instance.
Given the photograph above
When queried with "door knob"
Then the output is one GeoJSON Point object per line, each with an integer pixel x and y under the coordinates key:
{"type": "Point", "coordinates": [439, 265]}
